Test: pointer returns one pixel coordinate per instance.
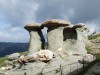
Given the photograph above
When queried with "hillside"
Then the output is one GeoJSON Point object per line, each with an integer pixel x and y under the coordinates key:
{"type": "Point", "coordinates": [9, 48]}
{"type": "Point", "coordinates": [94, 45]}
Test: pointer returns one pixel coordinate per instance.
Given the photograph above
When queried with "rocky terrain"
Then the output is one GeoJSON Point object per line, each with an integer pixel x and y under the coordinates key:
{"type": "Point", "coordinates": [94, 45]}
{"type": "Point", "coordinates": [94, 48]}
{"type": "Point", "coordinates": [95, 70]}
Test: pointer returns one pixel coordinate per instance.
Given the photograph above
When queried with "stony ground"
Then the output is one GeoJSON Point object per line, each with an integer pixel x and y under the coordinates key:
{"type": "Point", "coordinates": [94, 45]}
{"type": "Point", "coordinates": [95, 70]}
{"type": "Point", "coordinates": [94, 48]}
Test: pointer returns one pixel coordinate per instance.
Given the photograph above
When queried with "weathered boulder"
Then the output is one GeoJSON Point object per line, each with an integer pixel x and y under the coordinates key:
{"type": "Point", "coordinates": [42, 55]}
{"type": "Point", "coordinates": [89, 57]}
{"type": "Point", "coordinates": [13, 56]}
{"type": "Point", "coordinates": [7, 63]}
{"type": "Point", "coordinates": [55, 33]}
{"type": "Point", "coordinates": [60, 52]}
{"type": "Point", "coordinates": [6, 68]}
{"type": "Point", "coordinates": [35, 42]}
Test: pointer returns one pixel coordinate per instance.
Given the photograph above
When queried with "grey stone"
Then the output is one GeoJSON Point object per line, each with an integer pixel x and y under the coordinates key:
{"type": "Point", "coordinates": [7, 62]}
{"type": "Point", "coordinates": [65, 65]}
{"type": "Point", "coordinates": [75, 39]}
{"type": "Point", "coordinates": [13, 56]}
{"type": "Point", "coordinates": [96, 71]}
{"type": "Point", "coordinates": [15, 73]}
{"type": "Point", "coordinates": [34, 68]}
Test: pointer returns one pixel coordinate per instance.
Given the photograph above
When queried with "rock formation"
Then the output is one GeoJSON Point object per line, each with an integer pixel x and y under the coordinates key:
{"type": "Point", "coordinates": [66, 46]}
{"type": "Point", "coordinates": [36, 37]}
{"type": "Point", "coordinates": [75, 39]}
{"type": "Point", "coordinates": [55, 33]}
{"type": "Point", "coordinates": [61, 35]}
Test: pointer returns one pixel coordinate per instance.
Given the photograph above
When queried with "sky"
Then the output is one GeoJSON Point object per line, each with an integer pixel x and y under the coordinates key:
{"type": "Point", "coordinates": [15, 14]}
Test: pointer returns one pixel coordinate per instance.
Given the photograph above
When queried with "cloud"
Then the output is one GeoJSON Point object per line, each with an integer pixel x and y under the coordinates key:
{"type": "Point", "coordinates": [13, 34]}
{"type": "Point", "coordinates": [75, 11]}
{"type": "Point", "coordinates": [14, 14]}
{"type": "Point", "coordinates": [17, 12]}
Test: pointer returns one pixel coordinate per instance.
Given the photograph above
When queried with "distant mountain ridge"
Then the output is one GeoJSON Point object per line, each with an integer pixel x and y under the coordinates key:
{"type": "Point", "coordinates": [7, 48]}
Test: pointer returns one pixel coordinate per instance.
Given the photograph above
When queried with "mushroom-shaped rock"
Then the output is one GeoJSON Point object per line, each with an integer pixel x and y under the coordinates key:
{"type": "Point", "coordinates": [36, 37]}
{"type": "Point", "coordinates": [55, 33]}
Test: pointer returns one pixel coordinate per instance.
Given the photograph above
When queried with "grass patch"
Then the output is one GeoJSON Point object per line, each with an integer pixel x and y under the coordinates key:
{"type": "Point", "coordinates": [24, 53]}
{"type": "Point", "coordinates": [97, 57]}
{"type": "Point", "coordinates": [88, 50]}
{"type": "Point", "coordinates": [2, 59]}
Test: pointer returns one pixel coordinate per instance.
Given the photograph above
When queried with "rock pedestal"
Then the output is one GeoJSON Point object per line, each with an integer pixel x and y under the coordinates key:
{"type": "Point", "coordinates": [55, 33]}
{"type": "Point", "coordinates": [35, 38]}
{"type": "Point", "coordinates": [82, 38]}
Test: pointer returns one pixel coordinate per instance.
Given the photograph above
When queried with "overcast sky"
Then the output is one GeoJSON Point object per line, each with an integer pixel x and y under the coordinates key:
{"type": "Point", "coordinates": [15, 14]}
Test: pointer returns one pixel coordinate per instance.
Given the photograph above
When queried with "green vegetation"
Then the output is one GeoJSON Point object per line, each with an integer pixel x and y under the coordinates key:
{"type": "Point", "coordinates": [2, 59]}
{"type": "Point", "coordinates": [24, 53]}
{"type": "Point", "coordinates": [93, 36]}
{"type": "Point", "coordinates": [88, 50]}
{"type": "Point", "coordinates": [96, 55]}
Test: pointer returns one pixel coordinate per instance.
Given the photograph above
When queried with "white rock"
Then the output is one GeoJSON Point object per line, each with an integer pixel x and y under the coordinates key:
{"type": "Point", "coordinates": [6, 68]}
{"type": "Point", "coordinates": [21, 57]}
{"type": "Point", "coordinates": [89, 57]}
{"type": "Point", "coordinates": [43, 55]}
{"type": "Point", "coordinates": [2, 68]}
{"type": "Point", "coordinates": [61, 52]}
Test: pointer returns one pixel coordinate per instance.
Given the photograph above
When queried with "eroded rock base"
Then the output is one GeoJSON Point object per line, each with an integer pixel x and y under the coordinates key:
{"type": "Point", "coordinates": [56, 66]}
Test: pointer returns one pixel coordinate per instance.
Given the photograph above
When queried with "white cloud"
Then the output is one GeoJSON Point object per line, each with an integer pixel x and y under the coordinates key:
{"type": "Point", "coordinates": [13, 34]}
{"type": "Point", "coordinates": [18, 12]}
